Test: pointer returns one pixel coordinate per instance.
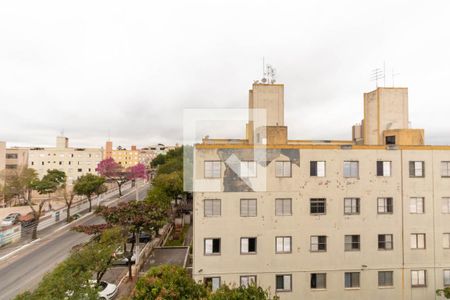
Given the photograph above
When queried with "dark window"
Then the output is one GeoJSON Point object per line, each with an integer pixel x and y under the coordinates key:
{"type": "Point", "coordinates": [351, 279]}
{"type": "Point", "coordinates": [416, 169]}
{"type": "Point", "coordinates": [11, 156]}
{"type": "Point", "coordinates": [385, 278]}
{"type": "Point", "coordinates": [248, 245]}
{"type": "Point", "coordinates": [352, 243]}
{"type": "Point", "coordinates": [11, 167]}
{"type": "Point", "coordinates": [317, 168]}
{"type": "Point", "coordinates": [385, 205]}
{"type": "Point", "coordinates": [317, 206]}
{"type": "Point", "coordinates": [318, 243]}
{"type": "Point", "coordinates": [212, 246]}
{"type": "Point", "coordinates": [319, 281]}
{"type": "Point", "coordinates": [385, 242]}
{"type": "Point", "coordinates": [283, 283]}
{"type": "Point", "coordinates": [390, 140]}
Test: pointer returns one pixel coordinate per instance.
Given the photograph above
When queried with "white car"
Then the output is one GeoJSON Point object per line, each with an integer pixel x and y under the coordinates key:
{"type": "Point", "coordinates": [10, 219]}
{"type": "Point", "coordinates": [106, 290]}
{"type": "Point", "coordinates": [120, 259]}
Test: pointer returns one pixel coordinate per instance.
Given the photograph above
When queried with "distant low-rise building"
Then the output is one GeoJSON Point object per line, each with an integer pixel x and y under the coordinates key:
{"type": "Point", "coordinates": [75, 162]}
{"type": "Point", "coordinates": [16, 158]}
{"type": "Point", "coordinates": [147, 154]}
{"type": "Point", "coordinates": [2, 155]}
{"type": "Point", "coordinates": [124, 157]}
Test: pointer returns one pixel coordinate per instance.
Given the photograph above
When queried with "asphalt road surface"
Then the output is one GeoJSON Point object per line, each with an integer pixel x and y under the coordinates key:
{"type": "Point", "coordinates": [25, 269]}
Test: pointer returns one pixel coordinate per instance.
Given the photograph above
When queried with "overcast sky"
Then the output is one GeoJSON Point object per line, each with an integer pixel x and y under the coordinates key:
{"type": "Point", "coordinates": [129, 68]}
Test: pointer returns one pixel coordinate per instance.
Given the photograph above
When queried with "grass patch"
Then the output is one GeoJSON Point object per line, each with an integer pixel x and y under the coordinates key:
{"type": "Point", "coordinates": [177, 242]}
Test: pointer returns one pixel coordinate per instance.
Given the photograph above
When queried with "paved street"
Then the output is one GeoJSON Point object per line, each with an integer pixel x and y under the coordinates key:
{"type": "Point", "coordinates": [24, 270]}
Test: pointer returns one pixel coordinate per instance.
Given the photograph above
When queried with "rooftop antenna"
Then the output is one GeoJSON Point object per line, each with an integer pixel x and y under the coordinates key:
{"type": "Point", "coordinates": [269, 73]}
{"type": "Point", "coordinates": [393, 77]}
{"type": "Point", "coordinates": [376, 75]}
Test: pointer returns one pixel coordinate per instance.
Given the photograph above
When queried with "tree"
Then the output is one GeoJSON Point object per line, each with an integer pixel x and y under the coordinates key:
{"type": "Point", "coordinates": [69, 196]}
{"type": "Point", "coordinates": [159, 197]}
{"type": "Point", "coordinates": [134, 217]}
{"type": "Point", "coordinates": [168, 282]}
{"type": "Point", "coordinates": [71, 278]}
{"type": "Point", "coordinates": [136, 172]}
{"type": "Point", "coordinates": [158, 160]}
{"type": "Point", "coordinates": [88, 185]}
{"type": "Point", "coordinates": [50, 183]}
{"type": "Point", "coordinates": [113, 172]}
{"type": "Point", "coordinates": [171, 184]}
{"type": "Point", "coordinates": [444, 292]}
{"type": "Point", "coordinates": [250, 292]}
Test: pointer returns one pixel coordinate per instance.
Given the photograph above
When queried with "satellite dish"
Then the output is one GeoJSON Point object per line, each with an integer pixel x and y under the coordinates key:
{"type": "Point", "coordinates": [264, 80]}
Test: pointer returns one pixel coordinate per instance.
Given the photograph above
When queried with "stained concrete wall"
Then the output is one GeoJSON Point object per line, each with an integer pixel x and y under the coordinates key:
{"type": "Point", "coordinates": [230, 227]}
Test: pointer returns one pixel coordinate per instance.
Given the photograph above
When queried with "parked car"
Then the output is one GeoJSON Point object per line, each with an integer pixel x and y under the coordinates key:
{"type": "Point", "coordinates": [144, 237]}
{"type": "Point", "coordinates": [120, 258]}
{"type": "Point", "coordinates": [106, 290]}
{"type": "Point", "coordinates": [11, 219]}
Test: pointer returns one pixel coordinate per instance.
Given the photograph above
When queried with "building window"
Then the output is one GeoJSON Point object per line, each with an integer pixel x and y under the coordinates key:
{"type": "Point", "coordinates": [352, 243]}
{"type": "Point", "coordinates": [212, 168]}
{"type": "Point", "coordinates": [283, 283]}
{"type": "Point", "coordinates": [351, 169]}
{"type": "Point", "coordinates": [283, 244]}
{"type": "Point", "coordinates": [384, 168]}
{"type": "Point", "coordinates": [212, 283]}
{"type": "Point", "coordinates": [351, 206]}
{"type": "Point", "coordinates": [318, 280]}
{"type": "Point", "coordinates": [390, 140]}
{"type": "Point", "coordinates": [385, 278]}
{"type": "Point", "coordinates": [418, 278]}
{"type": "Point", "coordinates": [248, 245]}
{"type": "Point", "coordinates": [283, 207]}
{"type": "Point", "coordinates": [317, 206]}
{"type": "Point", "coordinates": [317, 168]}
{"type": "Point", "coordinates": [385, 242]}
{"type": "Point", "coordinates": [283, 169]}
{"type": "Point", "coordinates": [445, 168]}
{"type": "Point", "coordinates": [351, 280]}
{"type": "Point", "coordinates": [11, 156]}
{"type": "Point", "coordinates": [318, 243]}
{"type": "Point", "coordinates": [212, 246]}
{"type": "Point", "coordinates": [418, 240]}
{"type": "Point", "coordinates": [80, 170]}
{"type": "Point", "coordinates": [212, 207]}
{"type": "Point", "coordinates": [248, 169]}
{"type": "Point", "coordinates": [446, 277]}
{"type": "Point", "coordinates": [385, 205]}
{"type": "Point", "coordinates": [446, 240]}
{"type": "Point", "coordinates": [416, 205]}
{"type": "Point", "coordinates": [248, 280]}
{"type": "Point", "coordinates": [248, 208]}
{"type": "Point", "coordinates": [32, 163]}
{"type": "Point", "coordinates": [11, 167]}
{"type": "Point", "coordinates": [446, 205]}
{"type": "Point", "coordinates": [416, 169]}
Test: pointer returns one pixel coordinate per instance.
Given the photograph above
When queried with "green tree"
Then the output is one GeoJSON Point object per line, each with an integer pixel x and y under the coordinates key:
{"type": "Point", "coordinates": [250, 292]}
{"type": "Point", "coordinates": [89, 185]}
{"type": "Point", "coordinates": [171, 184]}
{"type": "Point", "coordinates": [168, 282]}
{"type": "Point", "coordinates": [134, 217]}
{"type": "Point", "coordinates": [444, 292]}
{"type": "Point", "coordinates": [159, 197]}
{"type": "Point", "coordinates": [49, 184]}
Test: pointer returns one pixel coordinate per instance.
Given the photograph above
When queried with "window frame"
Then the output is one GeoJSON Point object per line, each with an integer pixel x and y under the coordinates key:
{"type": "Point", "coordinates": [384, 279]}
{"type": "Point", "coordinates": [413, 169]}
{"type": "Point", "coordinates": [352, 279]}
{"type": "Point", "coordinates": [248, 246]}
{"type": "Point", "coordinates": [415, 200]}
{"type": "Point", "coordinates": [317, 201]}
{"type": "Point", "coordinates": [283, 200]}
{"type": "Point", "coordinates": [284, 288]}
{"type": "Point", "coordinates": [212, 203]}
{"type": "Point", "coordinates": [247, 163]}
{"type": "Point", "coordinates": [351, 162]}
{"type": "Point", "coordinates": [445, 202]}
{"type": "Point", "coordinates": [416, 235]}
{"type": "Point", "coordinates": [446, 240]}
{"type": "Point", "coordinates": [255, 280]}
{"type": "Point", "coordinates": [352, 243]}
{"type": "Point", "coordinates": [318, 244]}
{"type": "Point", "coordinates": [418, 277]}
{"type": "Point", "coordinates": [385, 205]}
{"type": "Point", "coordinates": [358, 207]}
{"type": "Point", "coordinates": [381, 167]}
{"type": "Point", "coordinates": [213, 168]}
{"type": "Point", "coordinates": [248, 207]}
{"type": "Point", "coordinates": [443, 277]}
{"type": "Point", "coordinates": [212, 246]}
{"type": "Point", "coordinates": [283, 162]}
{"type": "Point", "coordinates": [283, 243]}
{"type": "Point", "coordinates": [324, 280]}
{"type": "Point", "coordinates": [205, 279]}
{"type": "Point", "coordinates": [314, 168]}
{"type": "Point", "coordinates": [385, 242]}
{"type": "Point", "coordinates": [447, 169]}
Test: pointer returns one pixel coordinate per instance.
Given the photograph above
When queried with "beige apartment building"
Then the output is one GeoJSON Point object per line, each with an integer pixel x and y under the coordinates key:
{"type": "Point", "coordinates": [147, 154]}
{"type": "Point", "coordinates": [122, 156]}
{"type": "Point", "coordinates": [367, 218]}
{"type": "Point", "coordinates": [16, 158]}
{"type": "Point", "coordinates": [2, 155]}
{"type": "Point", "coordinates": [75, 162]}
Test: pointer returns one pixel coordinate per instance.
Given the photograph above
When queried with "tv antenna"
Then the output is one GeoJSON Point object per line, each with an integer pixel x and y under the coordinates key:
{"type": "Point", "coordinates": [376, 75]}
{"type": "Point", "coordinates": [269, 74]}
{"type": "Point", "coordinates": [393, 77]}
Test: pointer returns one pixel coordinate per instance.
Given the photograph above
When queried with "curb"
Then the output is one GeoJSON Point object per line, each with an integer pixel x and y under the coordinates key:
{"type": "Point", "coordinates": [18, 249]}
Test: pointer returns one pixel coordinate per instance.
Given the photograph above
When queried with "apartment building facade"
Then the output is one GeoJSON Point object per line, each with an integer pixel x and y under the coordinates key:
{"type": "Point", "coordinates": [75, 162]}
{"type": "Point", "coordinates": [16, 158]}
{"type": "Point", "coordinates": [367, 218]}
{"type": "Point", "coordinates": [2, 155]}
{"type": "Point", "coordinates": [124, 157]}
